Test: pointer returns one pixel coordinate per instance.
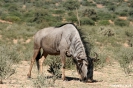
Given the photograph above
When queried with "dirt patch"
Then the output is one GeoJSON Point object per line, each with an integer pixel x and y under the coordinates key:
{"type": "Point", "coordinates": [15, 41]}
{"type": "Point", "coordinates": [28, 41]}
{"type": "Point", "coordinates": [0, 36]}
{"type": "Point", "coordinates": [3, 21]}
{"type": "Point", "coordinates": [111, 22]}
{"type": "Point", "coordinates": [111, 76]}
{"type": "Point", "coordinates": [100, 6]}
{"type": "Point", "coordinates": [131, 23]}
{"type": "Point", "coordinates": [123, 18]}
{"type": "Point", "coordinates": [126, 44]}
{"type": "Point", "coordinates": [126, 0]}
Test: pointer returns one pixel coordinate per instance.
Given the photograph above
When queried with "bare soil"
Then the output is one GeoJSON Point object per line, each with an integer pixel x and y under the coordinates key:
{"type": "Point", "coordinates": [110, 76]}
{"type": "Point", "coordinates": [4, 21]}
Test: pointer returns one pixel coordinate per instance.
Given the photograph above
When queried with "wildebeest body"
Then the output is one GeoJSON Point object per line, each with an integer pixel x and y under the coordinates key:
{"type": "Point", "coordinates": [64, 40]}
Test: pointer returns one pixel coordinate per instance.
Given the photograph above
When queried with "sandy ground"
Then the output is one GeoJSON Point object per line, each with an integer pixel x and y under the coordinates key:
{"type": "Point", "coordinates": [110, 76]}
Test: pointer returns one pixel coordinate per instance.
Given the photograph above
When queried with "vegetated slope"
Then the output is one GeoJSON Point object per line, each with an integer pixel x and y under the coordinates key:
{"type": "Point", "coordinates": [105, 23]}
{"type": "Point", "coordinates": [46, 13]}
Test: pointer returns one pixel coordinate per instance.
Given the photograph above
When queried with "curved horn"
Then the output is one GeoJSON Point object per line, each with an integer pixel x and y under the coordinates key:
{"type": "Point", "coordinates": [96, 55]}
{"type": "Point", "coordinates": [95, 58]}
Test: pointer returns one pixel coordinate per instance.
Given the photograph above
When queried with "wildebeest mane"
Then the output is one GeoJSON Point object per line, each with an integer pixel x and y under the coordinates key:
{"type": "Point", "coordinates": [85, 41]}
{"type": "Point", "coordinates": [83, 36]}
{"type": "Point", "coordinates": [58, 26]}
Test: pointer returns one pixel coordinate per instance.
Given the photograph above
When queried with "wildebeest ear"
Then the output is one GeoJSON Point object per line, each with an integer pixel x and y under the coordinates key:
{"type": "Point", "coordinates": [80, 60]}
{"type": "Point", "coordinates": [68, 54]}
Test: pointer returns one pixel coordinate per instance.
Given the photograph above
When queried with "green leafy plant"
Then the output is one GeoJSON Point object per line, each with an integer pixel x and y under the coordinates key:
{"type": "Point", "coordinates": [43, 82]}
{"type": "Point", "coordinates": [5, 64]}
{"type": "Point", "coordinates": [71, 4]}
{"type": "Point", "coordinates": [126, 55]}
{"type": "Point", "coordinates": [121, 22]}
{"type": "Point", "coordinates": [104, 22]}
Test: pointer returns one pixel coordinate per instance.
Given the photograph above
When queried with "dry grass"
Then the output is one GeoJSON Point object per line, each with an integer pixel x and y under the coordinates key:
{"type": "Point", "coordinates": [109, 76]}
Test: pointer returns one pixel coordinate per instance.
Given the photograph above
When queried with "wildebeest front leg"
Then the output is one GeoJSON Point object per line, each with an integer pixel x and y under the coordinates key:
{"type": "Point", "coordinates": [36, 51]}
{"type": "Point", "coordinates": [63, 60]}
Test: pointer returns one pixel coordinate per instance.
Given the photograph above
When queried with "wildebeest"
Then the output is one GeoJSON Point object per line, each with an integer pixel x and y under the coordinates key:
{"type": "Point", "coordinates": [64, 41]}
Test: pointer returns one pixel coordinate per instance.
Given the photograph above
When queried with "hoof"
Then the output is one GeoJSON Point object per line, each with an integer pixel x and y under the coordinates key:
{"type": "Point", "coordinates": [1, 82]}
{"type": "Point", "coordinates": [89, 81]}
{"type": "Point", "coordinates": [64, 79]}
{"type": "Point", "coordinates": [28, 76]}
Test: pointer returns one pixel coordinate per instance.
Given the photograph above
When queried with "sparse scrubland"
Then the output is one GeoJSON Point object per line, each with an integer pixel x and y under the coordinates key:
{"type": "Point", "coordinates": [106, 24]}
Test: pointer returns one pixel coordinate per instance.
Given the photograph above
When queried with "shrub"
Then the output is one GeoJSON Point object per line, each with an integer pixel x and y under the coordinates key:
{"type": "Point", "coordinates": [111, 8]}
{"type": "Point", "coordinates": [87, 3]}
{"type": "Point", "coordinates": [126, 54]}
{"type": "Point", "coordinates": [39, 16]}
{"type": "Point", "coordinates": [105, 16]}
{"type": "Point", "coordinates": [121, 22]}
{"type": "Point", "coordinates": [59, 12]}
{"type": "Point", "coordinates": [57, 61]}
{"type": "Point", "coordinates": [129, 33]}
{"type": "Point", "coordinates": [123, 13]}
{"type": "Point", "coordinates": [43, 82]}
{"type": "Point", "coordinates": [13, 18]}
{"type": "Point", "coordinates": [106, 31]}
{"type": "Point", "coordinates": [130, 12]}
{"type": "Point", "coordinates": [103, 22]}
{"type": "Point", "coordinates": [72, 19]}
{"type": "Point", "coordinates": [71, 4]}
{"type": "Point", "coordinates": [54, 67]}
{"type": "Point", "coordinates": [90, 13]}
{"type": "Point", "coordinates": [13, 8]}
{"type": "Point", "coordinates": [87, 21]}
{"type": "Point", "coordinates": [5, 63]}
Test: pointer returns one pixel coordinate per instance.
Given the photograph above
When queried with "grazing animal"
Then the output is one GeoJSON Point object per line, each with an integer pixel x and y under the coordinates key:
{"type": "Point", "coordinates": [64, 41]}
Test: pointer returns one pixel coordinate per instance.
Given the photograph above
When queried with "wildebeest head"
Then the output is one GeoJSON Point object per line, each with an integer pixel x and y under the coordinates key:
{"type": "Point", "coordinates": [85, 68]}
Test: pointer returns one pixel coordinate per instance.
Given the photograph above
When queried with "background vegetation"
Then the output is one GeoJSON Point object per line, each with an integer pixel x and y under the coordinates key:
{"type": "Point", "coordinates": [107, 24]}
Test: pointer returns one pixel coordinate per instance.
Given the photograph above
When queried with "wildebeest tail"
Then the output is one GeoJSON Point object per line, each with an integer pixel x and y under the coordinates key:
{"type": "Point", "coordinates": [37, 59]}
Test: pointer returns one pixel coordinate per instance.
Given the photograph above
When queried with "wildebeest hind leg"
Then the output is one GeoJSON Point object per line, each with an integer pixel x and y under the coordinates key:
{"type": "Point", "coordinates": [36, 52]}
{"type": "Point", "coordinates": [41, 60]}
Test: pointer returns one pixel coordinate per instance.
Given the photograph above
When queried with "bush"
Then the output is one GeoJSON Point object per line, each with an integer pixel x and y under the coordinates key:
{"type": "Point", "coordinates": [126, 55]}
{"type": "Point", "coordinates": [130, 12]}
{"type": "Point", "coordinates": [5, 63]}
{"type": "Point", "coordinates": [43, 82]}
{"type": "Point", "coordinates": [121, 22]}
{"type": "Point", "coordinates": [87, 3]}
{"type": "Point", "coordinates": [56, 60]}
{"type": "Point", "coordinates": [111, 8]}
{"type": "Point", "coordinates": [129, 33]}
{"type": "Point", "coordinates": [13, 8]}
{"type": "Point", "coordinates": [54, 68]}
{"type": "Point", "coordinates": [87, 21]}
{"type": "Point", "coordinates": [90, 13]}
{"type": "Point", "coordinates": [71, 4]}
{"type": "Point", "coordinates": [123, 13]}
{"type": "Point", "coordinates": [40, 15]}
{"type": "Point", "coordinates": [105, 16]}
{"type": "Point", "coordinates": [72, 19]}
{"type": "Point", "coordinates": [13, 18]}
{"type": "Point", "coordinates": [59, 12]}
{"type": "Point", "coordinates": [103, 22]}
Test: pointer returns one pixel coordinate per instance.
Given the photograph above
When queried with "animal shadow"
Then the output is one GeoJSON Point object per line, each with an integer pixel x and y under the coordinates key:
{"type": "Point", "coordinates": [66, 79]}
{"type": "Point", "coordinates": [72, 78]}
